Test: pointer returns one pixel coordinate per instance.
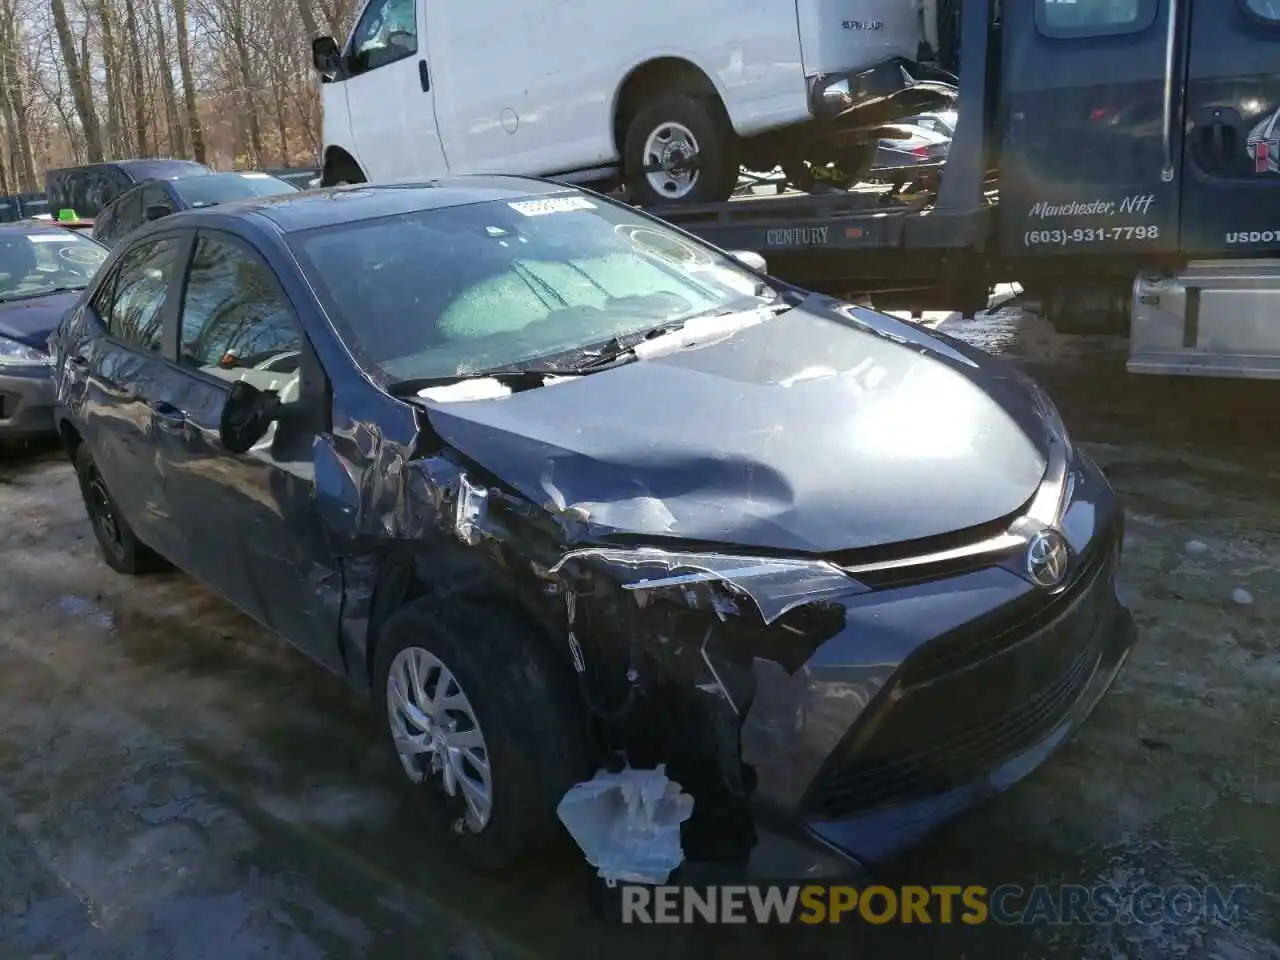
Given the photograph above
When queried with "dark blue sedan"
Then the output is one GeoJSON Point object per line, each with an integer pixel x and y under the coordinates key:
{"type": "Point", "coordinates": [563, 488]}
{"type": "Point", "coordinates": [42, 271]}
{"type": "Point", "coordinates": [153, 199]}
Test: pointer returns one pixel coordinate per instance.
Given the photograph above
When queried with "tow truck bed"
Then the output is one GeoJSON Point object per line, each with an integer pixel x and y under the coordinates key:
{"type": "Point", "coordinates": [809, 238]}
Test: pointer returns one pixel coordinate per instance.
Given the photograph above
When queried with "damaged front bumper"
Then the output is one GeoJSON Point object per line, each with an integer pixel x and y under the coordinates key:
{"type": "Point", "coordinates": [937, 696]}
{"type": "Point", "coordinates": [914, 698]}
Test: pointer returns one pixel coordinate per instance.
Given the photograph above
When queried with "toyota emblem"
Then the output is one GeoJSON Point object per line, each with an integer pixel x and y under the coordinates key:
{"type": "Point", "coordinates": [1048, 557]}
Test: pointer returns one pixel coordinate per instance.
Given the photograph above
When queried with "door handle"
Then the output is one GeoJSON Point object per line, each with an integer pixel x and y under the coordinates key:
{"type": "Point", "coordinates": [424, 77]}
{"type": "Point", "coordinates": [1219, 145]}
{"type": "Point", "coordinates": [169, 417]}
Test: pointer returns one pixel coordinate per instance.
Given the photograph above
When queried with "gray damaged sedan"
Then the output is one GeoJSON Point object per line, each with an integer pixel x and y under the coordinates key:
{"type": "Point", "coordinates": [564, 489]}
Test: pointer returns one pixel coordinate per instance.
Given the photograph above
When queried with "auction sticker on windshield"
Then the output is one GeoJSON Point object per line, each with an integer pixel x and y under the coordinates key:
{"type": "Point", "coordinates": [537, 208]}
{"type": "Point", "coordinates": [48, 238]}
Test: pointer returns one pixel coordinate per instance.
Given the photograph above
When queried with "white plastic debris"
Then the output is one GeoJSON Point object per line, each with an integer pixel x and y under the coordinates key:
{"type": "Point", "coordinates": [477, 388]}
{"type": "Point", "coordinates": [1242, 596]}
{"type": "Point", "coordinates": [628, 823]}
{"type": "Point", "coordinates": [1196, 547]}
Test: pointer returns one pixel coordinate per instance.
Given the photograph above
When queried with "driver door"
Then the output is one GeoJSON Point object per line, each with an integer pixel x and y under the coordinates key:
{"type": "Point", "coordinates": [249, 523]}
{"type": "Point", "coordinates": [390, 96]}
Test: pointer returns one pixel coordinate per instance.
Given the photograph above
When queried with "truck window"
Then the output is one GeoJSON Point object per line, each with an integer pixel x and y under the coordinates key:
{"type": "Point", "coordinates": [387, 32]}
{"type": "Point", "coordinates": [1268, 10]}
{"type": "Point", "coordinates": [1092, 18]}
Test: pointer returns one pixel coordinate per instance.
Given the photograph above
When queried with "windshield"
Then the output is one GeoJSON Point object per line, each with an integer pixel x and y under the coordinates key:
{"type": "Point", "coordinates": [37, 262]}
{"type": "Point", "coordinates": [459, 291]}
{"type": "Point", "coordinates": [225, 187]}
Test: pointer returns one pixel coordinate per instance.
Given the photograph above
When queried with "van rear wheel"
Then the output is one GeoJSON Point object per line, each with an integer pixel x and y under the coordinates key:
{"type": "Point", "coordinates": [680, 149]}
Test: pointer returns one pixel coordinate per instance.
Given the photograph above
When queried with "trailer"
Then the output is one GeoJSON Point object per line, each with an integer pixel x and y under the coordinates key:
{"type": "Point", "coordinates": [1119, 160]}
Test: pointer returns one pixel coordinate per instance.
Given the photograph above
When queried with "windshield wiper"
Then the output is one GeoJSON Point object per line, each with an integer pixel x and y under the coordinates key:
{"type": "Point", "coordinates": [621, 350]}
{"type": "Point", "coordinates": [40, 293]}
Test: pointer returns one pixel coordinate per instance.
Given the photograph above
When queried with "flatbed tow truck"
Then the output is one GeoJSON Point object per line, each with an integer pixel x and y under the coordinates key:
{"type": "Point", "coordinates": [1120, 159]}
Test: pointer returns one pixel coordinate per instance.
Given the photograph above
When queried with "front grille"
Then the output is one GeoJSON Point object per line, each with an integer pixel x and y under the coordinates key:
{"type": "Point", "coordinates": [1013, 623]}
{"type": "Point", "coordinates": [963, 704]}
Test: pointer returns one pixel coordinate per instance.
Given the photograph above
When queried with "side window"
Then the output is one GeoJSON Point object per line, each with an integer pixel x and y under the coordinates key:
{"type": "Point", "coordinates": [236, 323]}
{"type": "Point", "coordinates": [154, 196]}
{"type": "Point", "coordinates": [104, 226]}
{"type": "Point", "coordinates": [1268, 10]}
{"type": "Point", "coordinates": [128, 214]}
{"type": "Point", "coordinates": [387, 32]}
{"type": "Point", "coordinates": [132, 304]}
{"type": "Point", "coordinates": [1094, 18]}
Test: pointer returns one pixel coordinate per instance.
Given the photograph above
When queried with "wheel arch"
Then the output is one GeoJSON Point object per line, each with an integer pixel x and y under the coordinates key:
{"type": "Point", "coordinates": [335, 155]}
{"type": "Point", "coordinates": [670, 72]}
{"type": "Point", "coordinates": [69, 436]}
{"type": "Point", "coordinates": [404, 578]}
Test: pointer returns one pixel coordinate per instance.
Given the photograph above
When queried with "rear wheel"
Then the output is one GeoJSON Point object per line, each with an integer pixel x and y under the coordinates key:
{"type": "Point", "coordinates": [121, 548]}
{"type": "Point", "coordinates": [680, 149]}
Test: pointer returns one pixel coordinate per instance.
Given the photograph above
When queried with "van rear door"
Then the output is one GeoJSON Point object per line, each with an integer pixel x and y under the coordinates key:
{"type": "Point", "coordinates": [1231, 188]}
{"type": "Point", "coordinates": [1090, 154]}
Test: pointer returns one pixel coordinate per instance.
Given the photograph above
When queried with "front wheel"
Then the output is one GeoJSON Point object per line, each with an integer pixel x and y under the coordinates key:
{"type": "Point", "coordinates": [483, 721]}
{"type": "Point", "coordinates": [680, 149]}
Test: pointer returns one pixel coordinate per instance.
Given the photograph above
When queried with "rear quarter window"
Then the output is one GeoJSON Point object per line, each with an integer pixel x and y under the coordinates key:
{"type": "Point", "coordinates": [1070, 19]}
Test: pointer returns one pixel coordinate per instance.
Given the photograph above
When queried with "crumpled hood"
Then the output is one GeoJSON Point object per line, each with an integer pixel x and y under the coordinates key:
{"type": "Point", "coordinates": [827, 428]}
{"type": "Point", "coordinates": [31, 321]}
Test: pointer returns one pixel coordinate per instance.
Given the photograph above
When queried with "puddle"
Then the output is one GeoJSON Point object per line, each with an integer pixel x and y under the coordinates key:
{"type": "Point", "coordinates": [80, 608]}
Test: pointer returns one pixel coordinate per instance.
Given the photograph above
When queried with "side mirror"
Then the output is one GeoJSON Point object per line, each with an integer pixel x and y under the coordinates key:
{"type": "Point", "coordinates": [326, 57]}
{"type": "Point", "coordinates": [246, 415]}
{"type": "Point", "coordinates": [156, 210]}
{"type": "Point", "coordinates": [751, 260]}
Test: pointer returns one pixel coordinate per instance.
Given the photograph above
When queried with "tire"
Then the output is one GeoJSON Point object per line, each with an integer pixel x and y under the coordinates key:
{"type": "Point", "coordinates": [339, 172]}
{"type": "Point", "coordinates": [121, 548]}
{"type": "Point", "coordinates": [705, 120]}
{"type": "Point", "coordinates": [525, 705]}
{"type": "Point", "coordinates": [854, 166]}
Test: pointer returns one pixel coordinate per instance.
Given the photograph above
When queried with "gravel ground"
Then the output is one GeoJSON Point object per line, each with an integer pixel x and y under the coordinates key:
{"type": "Point", "coordinates": [177, 783]}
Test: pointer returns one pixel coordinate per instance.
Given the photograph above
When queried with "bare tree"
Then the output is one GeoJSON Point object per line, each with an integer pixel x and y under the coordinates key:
{"type": "Point", "coordinates": [79, 79]}
{"type": "Point", "coordinates": [188, 84]}
{"type": "Point", "coordinates": [137, 88]}
{"type": "Point", "coordinates": [177, 132]}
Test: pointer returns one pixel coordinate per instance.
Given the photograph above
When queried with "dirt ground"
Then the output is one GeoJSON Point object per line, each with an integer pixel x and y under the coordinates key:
{"type": "Point", "coordinates": [177, 783]}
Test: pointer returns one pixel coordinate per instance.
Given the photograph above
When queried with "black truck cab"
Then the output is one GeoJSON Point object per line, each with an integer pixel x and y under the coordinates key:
{"type": "Point", "coordinates": [89, 189]}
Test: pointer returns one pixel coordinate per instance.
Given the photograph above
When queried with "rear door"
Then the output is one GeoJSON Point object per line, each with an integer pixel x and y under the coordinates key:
{"type": "Point", "coordinates": [1090, 153]}
{"type": "Point", "coordinates": [123, 362]}
{"type": "Point", "coordinates": [1231, 189]}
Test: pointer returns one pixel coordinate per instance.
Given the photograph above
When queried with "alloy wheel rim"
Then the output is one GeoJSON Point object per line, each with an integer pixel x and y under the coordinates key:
{"type": "Point", "coordinates": [437, 734]}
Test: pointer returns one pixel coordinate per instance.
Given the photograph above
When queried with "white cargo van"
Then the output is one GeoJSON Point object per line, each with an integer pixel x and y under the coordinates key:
{"type": "Point", "coordinates": [671, 95]}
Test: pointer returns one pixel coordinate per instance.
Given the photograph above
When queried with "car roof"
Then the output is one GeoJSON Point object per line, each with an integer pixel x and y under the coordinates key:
{"type": "Point", "coordinates": [144, 169]}
{"type": "Point", "coordinates": [307, 210]}
{"type": "Point", "coordinates": [33, 226]}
